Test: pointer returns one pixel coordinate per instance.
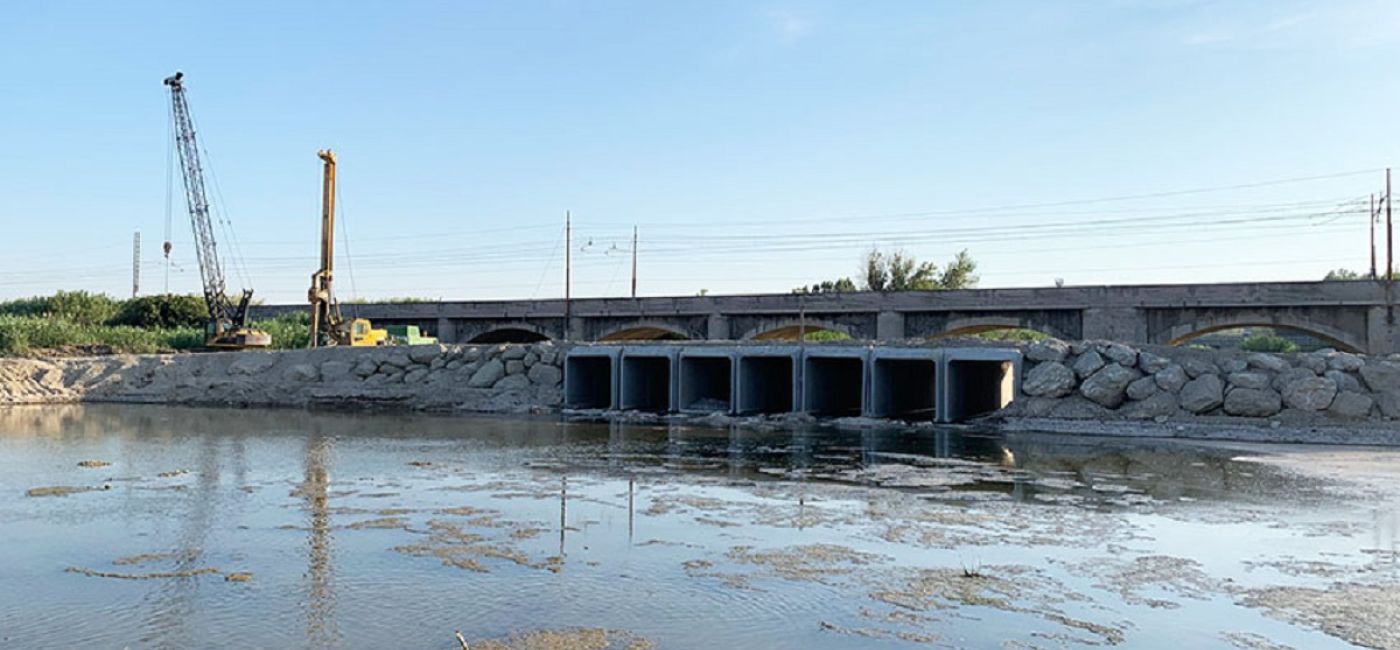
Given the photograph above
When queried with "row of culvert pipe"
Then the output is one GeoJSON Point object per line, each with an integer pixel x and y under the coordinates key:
{"type": "Point", "coordinates": [900, 383]}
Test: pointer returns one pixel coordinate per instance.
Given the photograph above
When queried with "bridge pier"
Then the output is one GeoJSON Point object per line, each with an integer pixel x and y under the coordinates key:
{"type": "Point", "coordinates": [889, 326]}
{"type": "Point", "coordinates": [1122, 324]}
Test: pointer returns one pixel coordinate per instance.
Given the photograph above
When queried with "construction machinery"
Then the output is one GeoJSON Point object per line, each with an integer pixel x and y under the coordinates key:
{"type": "Point", "coordinates": [328, 326]}
{"type": "Point", "coordinates": [227, 328]}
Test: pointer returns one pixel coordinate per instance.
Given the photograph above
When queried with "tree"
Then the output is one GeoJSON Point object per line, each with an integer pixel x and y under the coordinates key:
{"type": "Point", "coordinates": [898, 271]}
{"type": "Point", "coordinates": [1343, 274]}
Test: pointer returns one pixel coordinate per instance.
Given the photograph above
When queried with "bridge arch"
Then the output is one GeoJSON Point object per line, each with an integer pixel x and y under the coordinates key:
{"type": "Point", "coordinates": [513, 333]}
{"type": "Point", "coordinates": [1337, 338]}
{"type": "Point", "coordinates": [791, 330]}
{"type": "Point", "coordinates": [975, 325]}
{"type": "Point", "coordinates": [644, 331]}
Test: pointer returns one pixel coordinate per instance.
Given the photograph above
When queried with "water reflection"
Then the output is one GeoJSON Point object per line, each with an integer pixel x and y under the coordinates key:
{"type": "Point", "coordinates": [510, 493]}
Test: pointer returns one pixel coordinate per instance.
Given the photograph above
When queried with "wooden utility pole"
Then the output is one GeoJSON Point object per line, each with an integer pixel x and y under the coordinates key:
{"type": "Point", "coordinates": [568, 271]}
{"type": "Point", "coordinates": [1372, 219]}
{"type": "Point", "coordinates": [634, 262]}
{"type": "Point", "coordinates": [1389, 233]}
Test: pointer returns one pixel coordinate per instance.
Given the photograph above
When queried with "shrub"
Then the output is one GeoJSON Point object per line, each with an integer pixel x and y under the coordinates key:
{"type": "Point", "coordinates": [72, 306]}
{"type": "Point", "coordinates": [163, 312]}
{"type": "Point", "coordinates": [21, 334]}
{"type": "Point", "coordinates": [1024, 335]}
{"type": "Point", "coordinates": [1268, 343]}
{"type": "Point", "coordinates": [289, 331]}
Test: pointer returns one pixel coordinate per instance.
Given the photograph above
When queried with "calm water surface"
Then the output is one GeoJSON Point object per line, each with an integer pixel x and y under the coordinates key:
{"type": "Point", "coordinates": [384, 531]}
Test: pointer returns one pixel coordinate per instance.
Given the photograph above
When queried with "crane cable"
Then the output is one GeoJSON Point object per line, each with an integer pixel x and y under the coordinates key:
{"type": "Point", "coordinates": [345, 243]}
{"type": "Point", "coordinates": [169, 191]}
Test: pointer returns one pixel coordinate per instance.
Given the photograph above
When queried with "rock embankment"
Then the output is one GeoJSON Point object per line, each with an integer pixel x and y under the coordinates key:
{"type": "Point", "coordinates": [497, 378]}
{"type": "Point", "coordinates": [1096, 380]}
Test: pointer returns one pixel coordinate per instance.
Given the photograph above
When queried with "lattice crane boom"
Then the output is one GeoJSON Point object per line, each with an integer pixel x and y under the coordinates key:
{"type": "Point", "coordinates": [227, 322]}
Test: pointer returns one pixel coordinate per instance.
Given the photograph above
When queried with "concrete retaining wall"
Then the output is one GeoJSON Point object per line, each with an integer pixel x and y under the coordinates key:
{"type": "Point", "coordinates": [495, 378]}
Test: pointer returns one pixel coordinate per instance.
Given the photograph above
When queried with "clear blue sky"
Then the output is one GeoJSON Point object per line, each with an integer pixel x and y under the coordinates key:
{"type": "Point", "coordinates": [758, 146]}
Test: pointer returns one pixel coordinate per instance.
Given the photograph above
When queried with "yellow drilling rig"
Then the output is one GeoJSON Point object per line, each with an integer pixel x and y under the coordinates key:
{"type": "Point", "coordinates": [328, 326]}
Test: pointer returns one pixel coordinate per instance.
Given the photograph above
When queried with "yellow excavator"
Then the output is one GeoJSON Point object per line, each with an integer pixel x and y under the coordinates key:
{"type": "Point", "coordinates": [328, 326]}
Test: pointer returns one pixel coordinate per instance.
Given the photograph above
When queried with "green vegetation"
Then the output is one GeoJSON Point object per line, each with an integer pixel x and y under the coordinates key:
{"type": "Point", "coordinates": [23, 334]}
{"type": "Point", "coordinates": [97, 322]}
{"type": "Point", "coordinates": [1268, 343]}
{"type": "Point", "coordinates": [898, 271]}
{"type": "Point", "coordinates": [826, 336]}
{"type": "Point", "coordinates": [1343, 274]}
{"type": "Point", "coordinates": [1019, 335]}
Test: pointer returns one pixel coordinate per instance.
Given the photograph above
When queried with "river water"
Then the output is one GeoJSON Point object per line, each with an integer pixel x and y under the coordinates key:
{"type": "Point", "coordinates": [289, 529]}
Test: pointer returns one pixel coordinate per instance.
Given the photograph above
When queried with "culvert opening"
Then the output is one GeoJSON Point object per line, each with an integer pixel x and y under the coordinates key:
{"type": "Point", "coordinates": [978, 387]}
{"type": "Point", "coordinates": [705, 384]}
{"type": "Point", "coordinates": [765, 385]}
{"type": "Point", "coordinates": [904, 389]}
{"type": "Point", "coordinates": [646, 384]}
{"type": "Point", "coordinates": [834, 386]}
{"type": "Point", "coordinates": [588, 382]}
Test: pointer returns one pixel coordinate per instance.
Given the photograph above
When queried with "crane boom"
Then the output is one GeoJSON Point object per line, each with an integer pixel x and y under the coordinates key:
{"type": "Point", "coordinates": [228, 323]}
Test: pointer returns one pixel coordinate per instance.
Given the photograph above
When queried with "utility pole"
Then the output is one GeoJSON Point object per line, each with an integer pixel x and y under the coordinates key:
{"type": "Point", "coordinates": [1389, 234]}
{"type": "Point", "coordinates": [568, 271]}
{"type": "Point", "coordinates": [634, 262]}
{"type": "Point", "coordinates": [1372, 219]}
{"type": "Point", "coordinates": [136, 264]}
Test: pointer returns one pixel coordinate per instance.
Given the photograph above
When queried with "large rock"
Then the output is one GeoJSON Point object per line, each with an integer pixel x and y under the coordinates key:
{"type": "Point", "coordinates": [1311, 394]}
{"type": "Point", "coordinates": [1197, 366]}
{"type": "Point", "coordinates": [1381, 375]}
{"type": "Point", "coordinates": [514, 353]}
{"type": "Point", "coordinates": [1152, 363]}
{"type": "Point", "coordinates": [1049, 379]}
{"type": "Point", "coordinates": [1344, 381]}
{"type": "Point", "coordinates": [301, 372]}
{"type": "Point", "coordinates": [366, 367]}
{"type": "Point", "coordinates": [1345, 362]}
{"type": "Point", "coordinates": [1088, 363]}
{"type": "Point", "coordinates": [1287, 377]}
{"type": "Point", "coordinates": [488, 374]}
{"type": "Point", "coordinates": [336, 370]}
{"type": "Point", "coordinates": [545, 375]}
{"type": "Point", "coordinates": [1231, 365]}
{"type": "Point", "coordinates": [515, 367]}
{"type": "Point", "coordinates": [1160, 405]}
{"type": "Point", "coordinates": [1108, 387]}
{"type": "Point", "coordinates": [1078, 408]}
{"type": "Point", "coordinates": [416, 375]}
{"type": "Point", "coordinates": [1047, 350]}
{"type": "Point", "coordinates": [1313, 361]}
{"type": "Point", "coordinates": [1120, 354]}
{"type": "Point", "coordinates": [1203, 394]}
{"type": "Point", "coordinates": [1389, 403]}
{"type": "Point", "coordinates": [1253, 380]}
{"type": "Point", "coordinates": [1171, 378]}
{"type": "Point", "coordinates": [1351, 406]}
{"type": "Point", "coordinates": [1267, 362]}
{"type": "Point", "coordinates": [513, 382]}
{"type": "Point", "coordinates": [1143, 388]}
{"type": "Point", "coordinates": [424, 354]}
{"type": "Point", "coordinates": [1253, 402]}
{"type": "Point", "coordinates": [252, 363]}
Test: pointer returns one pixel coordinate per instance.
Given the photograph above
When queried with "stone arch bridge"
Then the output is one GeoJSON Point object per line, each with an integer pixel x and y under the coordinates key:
{"type": "Point", "coordinates": [1354, 316]}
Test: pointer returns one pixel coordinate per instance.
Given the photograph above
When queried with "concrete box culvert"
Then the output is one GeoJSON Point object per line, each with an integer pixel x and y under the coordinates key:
{"type": "Point", "coordinates": [647, 381]}
{"type": "Point", "coordinates": [834, 381]}
{"type": "Point", "coordinates": [977, 381]}
{"type": "Point", "coordinates": [904, 384]}
{"type": "Point", "coordinates": [767, 380]}
{"type": "Point", "coordinates": [706, 381]}
{"type": "Point", "coordinates": [591, 378]}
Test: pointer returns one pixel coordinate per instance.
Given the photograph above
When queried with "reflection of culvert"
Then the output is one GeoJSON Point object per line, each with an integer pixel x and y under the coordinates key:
{"type": "Point", "coordinates": [706, 384]}
{"type": "Point", "coordinates": [766, 384]}
{"type": "Point", "coordinates": [646, 383]}
{"type": "Point", "coordinates": [904, 389]}
{"type": "Point", "coordinates": [978, 382]}
{"type": "Point", "coordinates": [834, 386]}
{"type": "Point", "coordinates": [589, 381]}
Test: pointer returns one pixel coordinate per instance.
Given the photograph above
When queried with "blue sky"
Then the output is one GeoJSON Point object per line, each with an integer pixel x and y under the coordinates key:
{"type": "Point", "coordinates": [757, 146]}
